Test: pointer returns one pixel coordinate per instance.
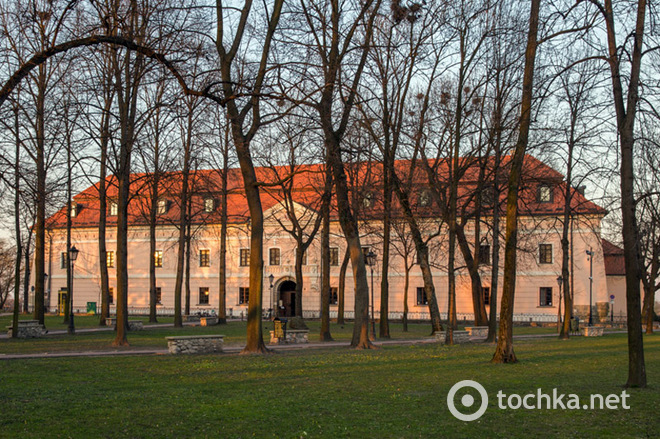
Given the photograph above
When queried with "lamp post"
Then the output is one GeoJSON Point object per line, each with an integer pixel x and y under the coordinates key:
{"type": "Point", "coordinates": [73, 255]}
{"type": "Point", "coordinates": [560, 281]}
{"type": "Point", "coordinates": [590, 253]}
{"type": "Point", "coordinates": [371, 261]}
{"type": "Point", "coordinates": [271, 278]}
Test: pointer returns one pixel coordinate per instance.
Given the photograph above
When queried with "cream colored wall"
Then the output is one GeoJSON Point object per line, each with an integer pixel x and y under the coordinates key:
{"type": "Point", "coordinates": [531, 275]}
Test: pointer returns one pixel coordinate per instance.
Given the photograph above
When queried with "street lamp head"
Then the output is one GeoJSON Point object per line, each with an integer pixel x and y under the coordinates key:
{"type": "Point", "coordinates": [73, 253]}
{"type": "Point", "coordinates": [271, 278]}
{"type": "Point", "coordinates": [370, 258]}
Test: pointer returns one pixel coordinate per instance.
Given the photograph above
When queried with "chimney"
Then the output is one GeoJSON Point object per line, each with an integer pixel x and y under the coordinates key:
{"type": "Point", "coordinates": [581, 189]}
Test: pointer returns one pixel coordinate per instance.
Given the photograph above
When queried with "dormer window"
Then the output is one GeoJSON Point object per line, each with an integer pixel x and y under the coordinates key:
{"type": "Point", "coordinates": [162, 206]}
{"type": "Point", "coordinates": [112, 208]}
{"type": "Point", "coordinates": [368, 200]}
{"type": "Point", "coordinates": [487, 197]}
{"type": "Point", "coordinates": [209, 205]}
{"type": "Point", "coordinates": [544, 194]}
{"type": "Point", "coordinates": [74, 210]}
{"type": "Point", "coordinates": [424, 198]}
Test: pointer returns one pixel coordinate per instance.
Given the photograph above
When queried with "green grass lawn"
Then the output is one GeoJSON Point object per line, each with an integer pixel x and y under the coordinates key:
{"type": "Point", "coordinates": [395, 391]}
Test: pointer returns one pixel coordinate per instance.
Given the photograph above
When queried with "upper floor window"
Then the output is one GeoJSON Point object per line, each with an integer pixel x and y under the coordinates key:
{"type": "Point", "coordinates": [545, 296]}
{"type": "Point", "coordinates": [112, 208]}
{"type": "Point", "coordinates": [209, 205]}
{"type": "Point", "coordinates": [544, 194]}
{"type": "Point", "coordinates": [205, 257]}
{"type": "Point", "coordinates": [334, 256]}
{"type": "Point", "coordinates": [304, 257]}
{"type": "Point", "coordinates": [158, 258]}
{"type": "Point", "coordinates": [203, 295]}
{"type": "Point", "coordinates": [274, 256]}
{"type": "Point", "coordinates": [162, 206]}
{"type": "Point", "coordinates": [64, 258]}
{"type": "Point", "coordinates": [484, 254]}
{"type": "Point", "coordinates": [74, 209]}
{"type": "Point", "coordinates": [545, 253]}
{"type": "Point", "coordinates": [159, 295]}
{"type": "Point", "coordinates": [110, 259]}
{"type": "Point", "coordinates": [244, 257]}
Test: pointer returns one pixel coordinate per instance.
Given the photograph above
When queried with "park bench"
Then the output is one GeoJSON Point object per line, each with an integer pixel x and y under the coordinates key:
{"type": "Point", "coordinates": [459, 337]}
{"type": "Point", "coordinates": [28, 329]}
{"type": "Point", "coordinates": [110, 321]}
{"type": "Point", "coordinates": [195, 344]}
{"type": "Point", "coordinates": [477, 331]}
{"type": "Point", "coordinates": [208, 321]}
{"type": "Point", "coordinates": [135, 325]}
{"type": "Point", "coordinates": [592, 331]}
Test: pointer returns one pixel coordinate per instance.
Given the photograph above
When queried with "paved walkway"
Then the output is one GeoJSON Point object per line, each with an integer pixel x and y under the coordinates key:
{"type": "Point", "coordinates": [236, 349]}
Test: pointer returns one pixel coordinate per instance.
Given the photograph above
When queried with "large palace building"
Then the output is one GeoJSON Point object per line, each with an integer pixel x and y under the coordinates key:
{"type": "Point", "coordinates": [297, 200]}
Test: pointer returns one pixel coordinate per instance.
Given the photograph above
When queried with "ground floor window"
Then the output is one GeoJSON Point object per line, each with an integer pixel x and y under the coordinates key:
{"type": "Point", "coordinates": [111, 295]}
{"type": "Point", "coordinates": [159, 295]}
{"type": "Point", "coordinates": [545, 296]}
{"type": "Point", "coordinates": [204, 295]}
{"type": "Point", "coordinates": [421, 296]}
{"type": "Point", "coordinates": [334, 298]}
{"type": "Point", "coordinates": [243, 295]}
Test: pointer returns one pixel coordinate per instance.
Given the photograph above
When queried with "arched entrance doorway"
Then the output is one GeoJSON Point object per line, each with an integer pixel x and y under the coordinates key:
{"type": "Point", "coordinates": [287, 299]}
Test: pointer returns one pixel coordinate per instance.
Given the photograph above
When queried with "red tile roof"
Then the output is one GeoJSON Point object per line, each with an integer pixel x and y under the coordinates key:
{"type": "Point", "coordinates": [306, 189]}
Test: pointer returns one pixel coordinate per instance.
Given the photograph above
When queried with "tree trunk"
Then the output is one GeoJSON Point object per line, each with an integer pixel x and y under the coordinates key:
{"type": "Point", "coordinates": [325, 274]}
{"type": "Point", "coordinates": [384, 327]}
{"type": "Point", "coordinates": [504, 348]}
{"type": "Point", "coordinates": [40, 223]}
{"type": "Point", "coordinates": [17, 225]}
{"type": "Point", "coordinates": [480, 317]}
{"type": "Point", "coordinates": [406, 285]}
{"type": "Point", "coordinates": [222, 276]}
{"type": "Point", "coordinates": [341, 291]}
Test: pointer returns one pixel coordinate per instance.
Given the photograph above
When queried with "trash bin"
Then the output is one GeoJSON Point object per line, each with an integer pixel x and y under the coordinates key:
{"type": "Point", "coordinates": [279, 328]}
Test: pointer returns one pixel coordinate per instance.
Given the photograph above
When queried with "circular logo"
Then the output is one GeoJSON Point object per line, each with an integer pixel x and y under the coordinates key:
{"type": "Point", "coordinates": [467, 400]}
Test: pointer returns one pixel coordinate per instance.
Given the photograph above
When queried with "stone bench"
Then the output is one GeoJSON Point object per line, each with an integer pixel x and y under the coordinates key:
{"type": "Point", "coordinates": [208, 321]}
{"type": "Point", "coordinates": [459, 337]}
{"type": "Point", "coordinates": [135, 325]}
{"type": "Point", "coordinates": [191, 318]}
{"type": "Point", "coordinates": [293, 336]}
{"type": "Point", "coordinates": [195, 344]}
{"type": "Point", "coordinates": [592, 331]}
{"type": "Point", "coordinates": [110, 321]}
{"type": "Point", "coordinates": [28, 329]}
{"type": "Point", "coordinates": [477, 331]}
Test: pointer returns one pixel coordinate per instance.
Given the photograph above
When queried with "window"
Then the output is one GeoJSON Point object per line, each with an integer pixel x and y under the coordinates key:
{"type": "Point", "coordinates": [74, 210]}
{"type": "Point", "coordinates": [333, 296]}
{"type": "Point", "coordinates": [243, 295]}
{"type": "Point", "coordinates": [159, 295]}
{"type": "Point", "coordinates": [545, 296]}
{"type": "Point", "coordinates": [484, 254]}
{"type": "Point", "coordinates": [368, 199]}
{"type": "Point", "coordinates": [424, 198]}
{"type": "Point", "coordinates": [110, 259]}
{"type": "Point", "coordinates": [112, 208]}
{"type": "Point", "coordinates": [203, 295]}
{"type": "Point", "coordinates": [544, 194]}
{"type": "Point", "coordinates": [334, 256]}
{"type": "Point", "coordinates": [162, 207]}
{"type": "Point", "coordinates": [244, 257]}
{"type": "Point", "coordinates": [421, 296]}
{"type": "Point", "coordinates": [209, 205]}
{"type": "Point", "coordinates": [63, 260]}
{"type": "Point", "coordinates": [158, 258]}
{"type": "Point", "coordinates": [205, 257]}
{"type": "Point", "coordinates": [274, 256]}
{"type": "Point", "coordinates": [111, 295]}
{"type": "Point", "coordinates": [487, 197]}
{"type": "Point", "coordinates": [304, 257]}
{"type": "Point", "coordinates": [486, 294]}
{"type": "Point", "coordinates": [545, 253]}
